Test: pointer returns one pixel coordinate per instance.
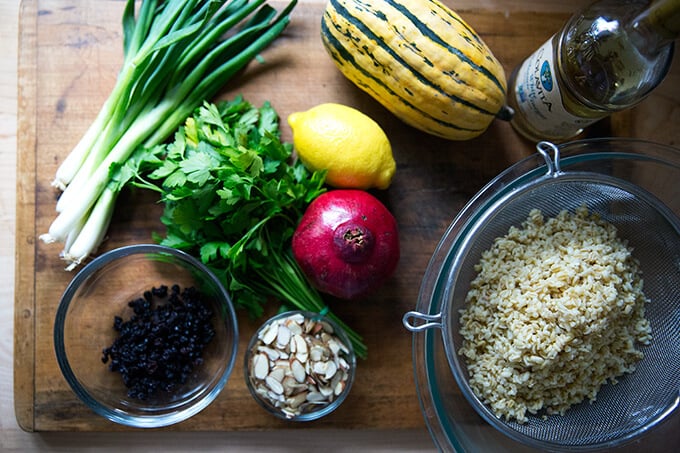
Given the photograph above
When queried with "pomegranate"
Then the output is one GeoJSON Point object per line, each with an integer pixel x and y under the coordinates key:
{"type": "Point", "coordinates": [347, 243]}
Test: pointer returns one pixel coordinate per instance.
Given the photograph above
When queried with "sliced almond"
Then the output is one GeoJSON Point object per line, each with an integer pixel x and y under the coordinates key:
{"type": "Point", "coordinates": [319, 368]}
{"type": "Point", "coordinates": [296, 318]}
{"type": "Point", "coordinates": [326, 391]}
{"type": "Point", "coordinates": [315, 397]}
{"type": "Point", "coordinates": [277, 373]}
{"type": "Point", "coordinates": [268, 334]}
{"type": "Point", "coordinates": [339, 387]}
{"type": "Point", "coordinates": [282, 336]}
{"type": "Point", "coordinates": [326, 327]}
{"type": "Point", "coordinates": [298, 370]}
{"type": "Point", "coordinates": [290, 385]}
{"type": "Point", "coordinates": [272, 353]}
{"type": "Point", "coordinates": [260, 366]}
{"type": "Point", "coordinates": [342, 363]}
{"type": "Point", "coordinates": [331, 369]}
{"type": "Point", "coordinates": [301, 348]}
{"type": "Point", "coordinates": [295, 328]}
{"type": "Point", "coordinates": [274, 385]}
{"type": "Point", "coordinates": [296, 400]}
{"type": "Point", "coordinates": [317, 353]}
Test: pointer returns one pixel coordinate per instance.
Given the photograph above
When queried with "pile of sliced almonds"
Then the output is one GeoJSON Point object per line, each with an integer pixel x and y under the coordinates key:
{"type": "Point", "coordinates": [298, 364]}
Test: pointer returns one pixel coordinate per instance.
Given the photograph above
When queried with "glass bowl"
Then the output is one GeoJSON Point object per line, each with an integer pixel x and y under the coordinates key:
{"type": "Point", "coordinates": [84, 328]}
{"type": "Point", "coordinates": [299, 366]}
{"type": "Point", "coordinates": [451, 418]}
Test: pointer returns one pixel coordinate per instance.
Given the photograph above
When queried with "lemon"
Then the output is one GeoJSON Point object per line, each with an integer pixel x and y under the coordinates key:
{"type": "Point", "coordinates": [347, 143]}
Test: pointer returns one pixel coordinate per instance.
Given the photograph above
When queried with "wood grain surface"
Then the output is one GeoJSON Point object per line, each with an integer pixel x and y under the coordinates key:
{"type": "Point", "coordinates": [69, 54]}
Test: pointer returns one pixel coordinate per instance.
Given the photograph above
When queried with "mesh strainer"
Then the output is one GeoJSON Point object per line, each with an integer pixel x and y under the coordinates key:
{"type": "Point", "coordinates": [640, 400]}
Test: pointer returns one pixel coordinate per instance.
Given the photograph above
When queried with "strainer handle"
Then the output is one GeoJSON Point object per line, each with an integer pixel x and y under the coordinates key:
{"type": "Point", "coordinates": [416, 321]}
{"type": "Point", "coordinates": [545, 148]}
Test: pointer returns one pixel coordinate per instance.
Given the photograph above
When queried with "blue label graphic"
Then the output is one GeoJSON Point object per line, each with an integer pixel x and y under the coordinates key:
{"type": "Point", "coordinates": [546, 76]}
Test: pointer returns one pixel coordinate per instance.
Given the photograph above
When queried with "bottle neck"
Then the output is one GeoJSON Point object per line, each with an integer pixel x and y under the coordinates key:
{"type": "Point", "coordinates": [661, 20]}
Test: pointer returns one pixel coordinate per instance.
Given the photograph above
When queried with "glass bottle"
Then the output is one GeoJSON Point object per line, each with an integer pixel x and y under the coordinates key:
{"type": "Point", "coordinates": [606, 58]}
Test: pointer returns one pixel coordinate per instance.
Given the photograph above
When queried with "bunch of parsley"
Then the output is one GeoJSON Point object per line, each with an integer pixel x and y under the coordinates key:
{"type": "Point", "coordinates": [233, 196]}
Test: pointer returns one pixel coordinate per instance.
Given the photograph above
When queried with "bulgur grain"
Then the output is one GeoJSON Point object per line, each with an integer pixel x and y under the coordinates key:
{"type": "Point", "coordinates": [554, 313]}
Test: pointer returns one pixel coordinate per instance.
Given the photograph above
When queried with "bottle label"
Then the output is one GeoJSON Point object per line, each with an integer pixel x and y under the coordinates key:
{"type": "Point", "coordinates": [539, 98]}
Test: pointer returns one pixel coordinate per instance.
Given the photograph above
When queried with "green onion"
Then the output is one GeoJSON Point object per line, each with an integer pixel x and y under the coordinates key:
{"type": "Point", "coordinates": [177, 54]}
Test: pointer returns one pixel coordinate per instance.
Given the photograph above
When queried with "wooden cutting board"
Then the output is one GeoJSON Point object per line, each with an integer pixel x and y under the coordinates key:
{"type": "Point", "coordinates": [70, 52]}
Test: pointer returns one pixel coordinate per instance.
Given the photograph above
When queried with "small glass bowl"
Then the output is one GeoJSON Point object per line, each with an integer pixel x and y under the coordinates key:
{"type": "Point", "coordinates": [84, 328]}
{"type": "Point", "coordinates": [296, 398]}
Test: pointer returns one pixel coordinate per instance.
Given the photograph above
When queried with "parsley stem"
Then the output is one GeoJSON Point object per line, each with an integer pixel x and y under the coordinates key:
{"type": "Point", "coordinates": [287, 282]}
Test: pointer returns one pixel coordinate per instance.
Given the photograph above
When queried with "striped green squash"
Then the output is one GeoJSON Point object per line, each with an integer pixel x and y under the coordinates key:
{"type": "Point", "coordinates": [420, 60]}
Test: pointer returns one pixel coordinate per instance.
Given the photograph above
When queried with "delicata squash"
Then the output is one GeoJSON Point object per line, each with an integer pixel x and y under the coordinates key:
{"type": "Point", "coordinates": [420, 60]}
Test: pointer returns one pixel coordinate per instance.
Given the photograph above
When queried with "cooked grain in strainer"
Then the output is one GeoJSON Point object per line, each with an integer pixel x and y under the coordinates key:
{"type": "Point", "coordinates": [555, 312]}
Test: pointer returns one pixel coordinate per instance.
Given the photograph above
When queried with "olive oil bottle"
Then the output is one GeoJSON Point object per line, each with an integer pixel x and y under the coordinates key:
{"type": "Point", "coordinates": [606, 58]}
